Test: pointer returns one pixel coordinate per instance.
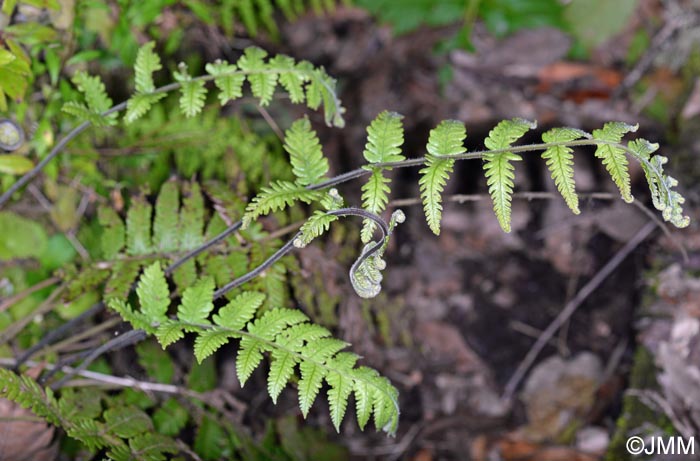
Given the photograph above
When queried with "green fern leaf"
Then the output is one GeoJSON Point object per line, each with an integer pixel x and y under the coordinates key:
{"type": "Point", "coordinates": [560, 161]}
{"type": "Point", "coordinates": [614, 157]}
{"type": "Point", "coordinates": [312, 373]}
{"type": "Point", "coordinates": [139, 104]}
{"type": "Point", "coordinates": [153, 293]}
{"type": "Point", "coordinates": [169, 332]}
{"type": "Point", "coordinates": [446, 139]}
{"type": "Point", "coordinates": [240, 310]}
{"type": "Point", "coordinates": [127, 421]}
{"type": "Point", "coordinates": [277, 196]}
{"type": "Point", "coordinates": [321, 89]}
{"type": "Point", "coordinates": [384, 139]}
{"type": "Point", "coordinates": [197, 302]}
{"type": "Point", "coordinates": [308, 163]}
{"type": "Point", "coordinates": [499, 170]}
{"type": "Point", "coordinates": [290, 78]}
{"type": "Point", "coordinates": [165, 225]}
{"type": "Point", "coordinates": [80, 111]}
{"type": "Point", "coordinates": [147, 62]}
{"type": "Point", "coordinates": [112, 239]}
{"type": "Point", "coordinates": [210, 341]}
{"type": "Point", "coordinates": [123, 275]}
{"type": "Point", "coordinates": [192, 219]}
{"type": "Point", "coordinates": [192, 92]}
{"type": "Point", "coordinates": [136, 319]}
{"type": "Point", "coordinates": [229, 83]}
{"type": "Point", "coordinates": [281, 370]}
{"type": "Point", "coordinates": [315, 226]}
{"type": "Point", "coordinates": [375, 196]}
{"type": "Point", "coordinates": [266, 328]}
{"type": "Point", "coordinates": [262, 81]}
{"type": "Point", "coordinates": [95, 93]}
{"type": "Point", "coordinates": [341, 385]}
{"type": "Point", "coordinates": [364, 394]}
{"type": "Point", "coordinates": [138, 227]}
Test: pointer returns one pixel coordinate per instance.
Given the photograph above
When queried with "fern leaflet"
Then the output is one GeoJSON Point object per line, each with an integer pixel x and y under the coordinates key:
{"type": "Point", "coordinates": [262, 82]}
{"type": "Point", "coordinates": [560, 161]}
{"type": "Point", "coordinates": [499, 170]}
{"type": "Point", "coordinates": [230, 84]}
{"type": "Point", "coordinates": [192, 92]}
{"type": "Point", "coordinates": [278, 196]}
{"type": "Point", "coordinates": [308, 163]}
{"type": "Point", "coordinates": [446, 139]}
{"type": "Point", "coordinates": [614, 157]}
{"type": "Point", "coordinates": [147, 62]}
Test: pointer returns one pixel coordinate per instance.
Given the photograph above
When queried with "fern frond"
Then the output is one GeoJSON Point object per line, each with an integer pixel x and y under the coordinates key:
{"type": "Point", "coordinates": [614, 157]}
{"type": "Point", "coordinates": [499, 170]}
{"type": "Point", "coordinates": [96, 98]}
{"type": "Point", "coordinates": [240, 310]}
{"type": "Point", "coordinates": [138, 227]}
{"type": "Point", "coordinates": [317, 224]}
{"type": "Point", "coordinates": [113, 233]}
{"type": "Point", "coordinates": [153, 294]}
{"type": "Point", "coordinates": [25, 392]}
{"type": "Point", "coordinates": [192, 92]}
{"type": "Point", "coordinates": [165, 225]}
{"type": "Point", "coordinates": [375, 196]}
{"type": "Point", "coordinates": [446, 139]}
{"type": "Point", "coordinates": [278, 196]}
{"type": "Point", "coordinates": [209, 341]}
{"type": "Point", "coordinates": [308, 163]}
{"type": "Point", "coordinates": [147, 62]}
{"type": "Point", "coordinates": [230, 84]}
{"type": "Point", "coordinates": [384, 138]}
{"type": "Point", "coordinates": [341, 385]}
{"type": "Point", "coordinates": [321, 89]}
{"type": "Point", "coordinates": [560, 162]}
{"type": "Point", "coordinates": [192, 219]}
{"type": "Point", "coordinates": [262, 82]}
{"type": "Point", "coordinates": [137, 320]}
{"type": "Point", "coordinates": [197, 302]}
{"type": "Point", "coordinates": [312, 370]}
{"type": "Point", "coordinates": [290, 78]}
{"type": "Point", "coordinates": [139, 104]}
{"type": "Point", "coordinates": [169, 332]}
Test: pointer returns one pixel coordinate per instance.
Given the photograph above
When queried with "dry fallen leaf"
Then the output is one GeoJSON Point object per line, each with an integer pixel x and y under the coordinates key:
{"type": "Point", "coordinates": [23, 436]}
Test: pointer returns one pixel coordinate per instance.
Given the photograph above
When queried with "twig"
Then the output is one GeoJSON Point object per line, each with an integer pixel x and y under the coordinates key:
{"type": "Point", "coordinates": [571, 307]}
{"type": "Point", "coordinates": [7, 303]}
{"type": "Point", "coordinates": [125, 339]}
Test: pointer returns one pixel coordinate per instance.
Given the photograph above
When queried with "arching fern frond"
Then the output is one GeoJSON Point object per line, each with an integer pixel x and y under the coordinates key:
{"type": "Point", "coordinates": [446, 139]}
{"type": "Point", "coordinates": [613, 157]}
{"type": "Point", "coordinates": [499, 170]}
{"type": "Point", "coordinates": [560, 161]}
{"type": "Point", "coordinates": [285, 334]}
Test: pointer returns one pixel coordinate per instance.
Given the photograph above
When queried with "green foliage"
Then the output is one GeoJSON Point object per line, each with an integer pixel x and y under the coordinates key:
{"type": "Point", "coordinates": [96, 99]}
{"type": "Point", "coordinates": [279, 195]}
{"type": "Point", "coordinates": [286, 334]}
{"type": "Point", "coordinates": [21, 237]}
{"type": "Point", "coordinates": [192, 92]}
{"type": "Point", "coordinates": [560, 161]}
{"type": "Point", "coordinates": [499, 171]}
{"type": "Point", "coordinates": [446, 139]}
{"type": "Point", "coordinates": [384, 140]}
{"type": "Point", "coordinates": [614, 157]}
{"type": "Point", "coordinates": [308, 163]}
{"type": "Point", "coordinates": [125, 432]}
